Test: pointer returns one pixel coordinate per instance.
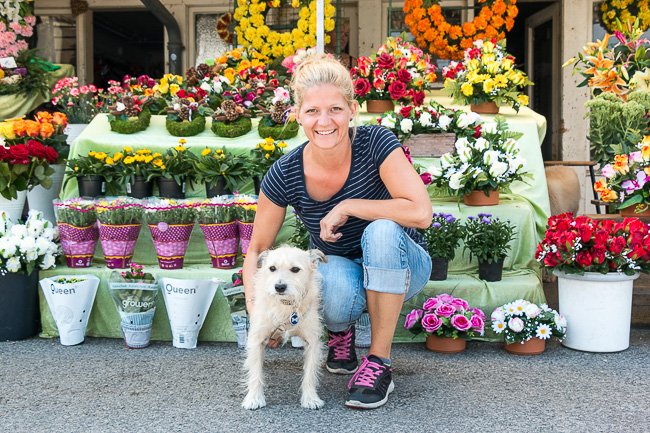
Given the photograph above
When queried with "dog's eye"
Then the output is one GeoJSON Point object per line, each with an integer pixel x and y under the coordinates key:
{"type": "Point", "coordinates": [295, 269]}
{"type": "Point", "coordinates": [272, 268]}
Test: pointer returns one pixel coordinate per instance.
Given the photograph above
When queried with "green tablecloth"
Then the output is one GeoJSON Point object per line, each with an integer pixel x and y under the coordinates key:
{"type": "Point", "coordinates": [527, 207]}
{"type": "Point", "coordinates": [18, 104]}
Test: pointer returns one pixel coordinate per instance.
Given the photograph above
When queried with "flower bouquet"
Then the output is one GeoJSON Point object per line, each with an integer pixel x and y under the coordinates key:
{"type": "Point", "coordinates": [171, 223]}
{"type": "Point", "coordinates": [134, 292]}
{"type": "Point", "coordinates": [486, 75]}
{"type": "Point", "coordinates": [231, 120]}
{"type": "Point", "coordinates": [447, 318]}
{"type": "Point", "coordinates": [119, 220]}
{"type": "Point", "coordinates": [527, 326]}
{"type": "Point", "coordinates": [626, 182]}
{"type": "Point", "coordinates": [77, 222]}
{"type": "Point", "coordinates": [217, 219]}
{"type": "Point", "coordinates": [46, 128]}
{"type": "Point", "coordinates": [129, 115]}
{"type": "Point", "coordinates": [442, 238]}
{"type": "Point", "coordinates": [482, 164]}
{"type": "Point", "coordinates": [488, 239]}
{"type": "Point", "coordinates": [278, 121]}
{"type": "Point", "coordinates": [79, 102]}
{"type": "Point", "coordinates": [204, 81]}
{"type": "Point", "coordinates": [246, 207]}
{"type": "Point", "coordinates": [138, 168]}
{"type": "Point", "coordinates": [143, 85]}
{"type": "Point", "coordinates": [398, 72]}
{"type": "Point", "coordinates": [234, 294]}
{"type": "Point", "coordinates": [175, 170]}
{"type": "Point", "coordinates": [186, 117]}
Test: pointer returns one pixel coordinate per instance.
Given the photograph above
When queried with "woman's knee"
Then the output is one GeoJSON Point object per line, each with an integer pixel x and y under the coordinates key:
{"type": "Point", "coordinates": [383, 244]}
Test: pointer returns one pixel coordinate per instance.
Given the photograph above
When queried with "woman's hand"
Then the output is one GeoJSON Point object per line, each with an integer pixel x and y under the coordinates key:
{"type": "Point", "coordinates": [330, 224]}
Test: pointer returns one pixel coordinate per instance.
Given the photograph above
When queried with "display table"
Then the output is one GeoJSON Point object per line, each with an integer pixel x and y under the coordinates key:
{"type": "Point", "coordinates": [18, 104]}
{"type": "Point", "coordinates": [527, 207]}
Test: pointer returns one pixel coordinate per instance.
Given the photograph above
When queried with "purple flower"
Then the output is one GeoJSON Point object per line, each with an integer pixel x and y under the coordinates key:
{"type": "Point", "coordinates": [445, 310]}
{"type": "Point", "coordinates": [431, 304]}
{"type": "Point", "coordinates": [237, 98]}
{"type": "Point", "coordinates": [460, 304]}
{"type": "Point", "coordinates": [633, 185]}
{"type": "Point", "coordinates": [460, 322]}
{"type": "Point", "coordinates": [436, 225]}
{"type": "Point", "coordinates": [250, 96]}
{"type": "Point", "coordinates": [485, 215]}
{"type": "Point", "coordinates": [431, 323]}
{"type": "Point", "coordinates": [21, 71]}
{"type": "Point", "coordinates": [412, 318]}
{"type": "Point", "coordinates": [478, 323]}
{"type": "Point", "coordinates": [486, 220]}
{"type": "Point", "coordinates": [450, 218]}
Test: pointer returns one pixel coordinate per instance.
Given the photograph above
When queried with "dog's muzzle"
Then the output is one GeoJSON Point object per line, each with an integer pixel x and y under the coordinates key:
{"type": "Point", "coordinates": [280, 288]}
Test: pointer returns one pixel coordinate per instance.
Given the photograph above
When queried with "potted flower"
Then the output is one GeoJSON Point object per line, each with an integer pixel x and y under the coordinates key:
{"type": "Point", "coordinates": [488, 239]}
{"type": "Point", "coordinates": [447, 321]}
{"type": "Point", "coordinates": [442, 238]}
{"type": "Point", "coordinates": [231, 120]}
{"type": "Point", "coordinates": [262, 157]}
{"type": "Point", "coordinates": [119, 220]}
{"type": "Point", "coordinates": [398, 72]}
{"type": "Point", "coordinates": [625, 182]}
{"type": "Point", "coordinates": [26, 248]}
{"type": "Point", "coordinates": [527, 326]}
{"type": "Point", "coordinates": [596, 262]}
{"type": "Point", "coordinates": [186, 117]}
{"type": "Point", "coordinates": [234, 294]}
{"type": "Point", "coordinates": [95, 174]}
{"type": "Point", "coordinates": [142, 85]}
{"type": "Point", "coordinates": [134, 292]}
{"type": "Point", "coordinates": [278, 121]}
{"type": "Point", "coordinates": [138, 169]}
{"type": "Point", "coordinates": [246, 207]}
{"type": "Point", "coordinates": [79, 102]}
{"type": "Point", "coordinates": [171, 223]}
{"type": "Point", "coordinates": [486, 79]}
{"type": "Point", "coordinates": [128, 116]}
{"type": "Point", "coordinates": [217, 219]}
{"type": "Point", "coordinates": [482, 165]}
{"type": "Point", "coordinates": [221, 170]}
{"type": "Point", "coordinates": [77, 222]}
{"type": "Point", "coordinates": [175, 171]}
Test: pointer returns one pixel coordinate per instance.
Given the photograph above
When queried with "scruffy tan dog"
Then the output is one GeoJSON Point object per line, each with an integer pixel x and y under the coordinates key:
{"type": "Point", "coordinates": [287, 303]}
{"type": "Point", "coordinates": [563, 189]}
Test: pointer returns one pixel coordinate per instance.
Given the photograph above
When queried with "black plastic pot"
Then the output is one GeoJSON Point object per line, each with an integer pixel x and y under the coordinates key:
{"type": "Point", "coordinates": [256, 184]}
{"type": "Point", "coordinates": [439, 269]}
{"type": "Point", "coordinates": [90, 186]}
{"type": "Point", "coordinates": [490, 271]}
{"type": "Point", "coordinates": [19, 311]}
{"type": "Point", "coordinates": [140, 188]}
{"type": "Point", "coordinates": [216, 189]}
{"type": "Point", "coordinates": [168, 188]}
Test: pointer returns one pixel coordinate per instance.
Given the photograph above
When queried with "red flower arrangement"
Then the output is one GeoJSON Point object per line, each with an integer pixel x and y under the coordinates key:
{"type": "Point", "coordinates": [398, 71]}
{"type": "Point", "coordinates": [576, 245]}
{"type": "Point", "coordinates": [25, 166]}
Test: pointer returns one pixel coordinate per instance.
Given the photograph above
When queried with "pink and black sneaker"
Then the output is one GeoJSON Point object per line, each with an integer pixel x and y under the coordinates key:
{"type": "Point", "coordinates": [341, 358]}
{"type": "Point", "coordinates": [371, 384]}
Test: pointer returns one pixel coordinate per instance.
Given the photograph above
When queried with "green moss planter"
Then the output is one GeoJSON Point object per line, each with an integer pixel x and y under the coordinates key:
{"type": "Point", "coordinates": [234, 129]}
{"type": "Point", "coordinates": [185, 128]}
{"type": "Point", "coordinates": [132, 124]}
{"type": "Point", "coordinates": [267, 128]}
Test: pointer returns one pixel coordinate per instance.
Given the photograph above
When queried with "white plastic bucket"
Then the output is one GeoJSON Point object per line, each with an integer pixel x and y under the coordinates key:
{"type": "Point", "coordinates": [41, 199]}
{"type": "Point", "coordinates": [14, 208]}
{"type": "Point", "coordinates": [187, 302]}
{"type": "Point", "coordinates": [598, 309]}
{"type": "Point", "coordinates": [70, 304]}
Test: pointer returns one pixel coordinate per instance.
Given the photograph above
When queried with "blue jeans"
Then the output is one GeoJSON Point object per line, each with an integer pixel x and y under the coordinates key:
{"type": "Point", "coordinates": [392, 263]}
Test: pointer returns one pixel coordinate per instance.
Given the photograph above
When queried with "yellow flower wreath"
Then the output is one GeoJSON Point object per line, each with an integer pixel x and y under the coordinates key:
{"type": "Point", "coordinates": [432, 32]}
{"type": "Point", "coordinates": [616, 14]}
{"type": "Point", "coordinates": [252, 30]}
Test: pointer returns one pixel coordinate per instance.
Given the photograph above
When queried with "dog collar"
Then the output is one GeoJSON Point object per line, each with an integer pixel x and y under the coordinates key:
{"type": "Point", "coordinates": [286, 302]}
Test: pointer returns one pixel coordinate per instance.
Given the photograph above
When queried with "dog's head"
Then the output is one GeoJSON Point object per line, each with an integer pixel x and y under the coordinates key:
{"type": "Point", "coordinates": [288, 271]}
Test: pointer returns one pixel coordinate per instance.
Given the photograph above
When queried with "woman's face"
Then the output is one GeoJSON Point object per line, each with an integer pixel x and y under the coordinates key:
{"type": "Point", "coordinates": [325, 116]}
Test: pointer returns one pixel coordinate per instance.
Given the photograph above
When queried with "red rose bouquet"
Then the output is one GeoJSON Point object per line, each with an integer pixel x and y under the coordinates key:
{"type": "Point", "coordinates": [25, 166]}
{"type": "Point", "coordinates": [576, 245]}
{"type": "Point", "coordinates": [399, 71]}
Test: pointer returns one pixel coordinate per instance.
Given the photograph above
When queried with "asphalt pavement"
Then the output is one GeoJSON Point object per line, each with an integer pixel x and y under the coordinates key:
{"type": "Point", "coordinates": [101, 386]}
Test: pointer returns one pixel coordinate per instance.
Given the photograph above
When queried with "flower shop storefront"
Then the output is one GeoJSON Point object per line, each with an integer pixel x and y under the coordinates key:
{"type": "Point", "coordinates": [526, 207]}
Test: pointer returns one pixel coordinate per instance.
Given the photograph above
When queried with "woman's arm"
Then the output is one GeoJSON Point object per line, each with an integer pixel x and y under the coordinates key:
{"type": "Point", "coordinates": [409, 206]}
{"type": "Point", "coordinates": [268, 221]}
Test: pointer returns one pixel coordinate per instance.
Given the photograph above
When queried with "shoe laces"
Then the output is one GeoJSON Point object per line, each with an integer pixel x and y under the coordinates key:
{"type": "Point", "coordinates": [367, 374]}
{"type": "Point", "coordinates": [341, 343]}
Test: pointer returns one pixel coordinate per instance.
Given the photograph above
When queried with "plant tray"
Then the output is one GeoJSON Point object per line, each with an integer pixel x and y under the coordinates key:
{"type": "Point", "coordinates": [430, 145]}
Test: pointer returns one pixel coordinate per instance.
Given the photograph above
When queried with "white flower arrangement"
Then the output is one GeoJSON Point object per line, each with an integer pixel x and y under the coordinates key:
{"type": "Point", "coordinates": [23, 247]}
{"type": "Point", "coordinates": [522, 320]}
{"type": "Point", "coordinates": [487, 160]}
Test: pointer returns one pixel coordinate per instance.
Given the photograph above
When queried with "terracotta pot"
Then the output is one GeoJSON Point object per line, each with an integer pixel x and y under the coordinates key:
{"type": "Point", "coordinates": [478, 198]}
{"type": "Point", "coordinates": [534, 346]}
{"type": "Point", "coordinates": [485, 108]}
{"type": "Point", "coordinates": [445, 344]}
{"type": "Point", "coordinates": [379, 105]}
{"type": "Point", "coordinates": [629, 212]}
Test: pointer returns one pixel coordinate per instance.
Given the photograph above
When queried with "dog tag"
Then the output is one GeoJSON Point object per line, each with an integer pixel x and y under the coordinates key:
{"type": "Point", "coordinates": [294, 318]}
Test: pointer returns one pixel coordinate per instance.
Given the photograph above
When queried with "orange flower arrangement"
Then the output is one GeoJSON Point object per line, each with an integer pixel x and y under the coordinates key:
{"type": "Point", "coordinates": [432, 32]}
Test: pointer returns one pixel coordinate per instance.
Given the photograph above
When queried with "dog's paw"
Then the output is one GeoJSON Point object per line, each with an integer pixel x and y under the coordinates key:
{"type": "Point", "coordinates": [311, 402]}
{"type": "Point", "coordinates": [253, 401]}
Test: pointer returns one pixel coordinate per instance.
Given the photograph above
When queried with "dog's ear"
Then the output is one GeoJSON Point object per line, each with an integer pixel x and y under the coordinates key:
{"type": "Point", "coordinates": [261, 257]}
{"type": "Point", "coordinates": [317, 256]}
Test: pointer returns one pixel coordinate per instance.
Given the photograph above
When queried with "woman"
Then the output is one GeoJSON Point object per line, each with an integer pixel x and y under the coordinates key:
{"type": "Point", "coordinates": [361, 201]}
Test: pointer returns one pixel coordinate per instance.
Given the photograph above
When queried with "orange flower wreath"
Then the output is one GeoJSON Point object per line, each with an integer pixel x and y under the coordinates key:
{"type": "Point", "coordinates": [432, 32]}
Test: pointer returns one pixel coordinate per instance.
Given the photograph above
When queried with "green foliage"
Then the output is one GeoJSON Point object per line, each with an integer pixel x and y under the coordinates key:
{"type": "Point", "coordinates": [488, 238]}
{"type": "Point", "coordinates": [130, 125]}
{"type": "Point", "coordinates": [185, 128]}
{"type": "Point", "coordinates": [169, 211]}
{"type": "Point", "coordinates": [233, 129]}
{"type": "Point", "coordinates": [443, 236]}
{"type": "Point", "coordinates": [221, 163]}
{"type": "Point", "coordinates": [216, 211]}
{"type": "Point", "coordinates": [300, 236]}
{"type": "Point", "coordinates": [119, 211]}
{"type": "Point", "coordinates": [76, 212]}
{"type": "Point", "coordinates": [268, 128]}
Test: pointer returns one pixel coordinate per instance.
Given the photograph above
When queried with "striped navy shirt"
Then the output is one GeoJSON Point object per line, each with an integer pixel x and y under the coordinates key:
{"type": "Point", "coordinates": [284, 184]}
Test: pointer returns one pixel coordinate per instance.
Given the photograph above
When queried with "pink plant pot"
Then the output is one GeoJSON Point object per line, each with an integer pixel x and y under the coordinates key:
{"type": "Point", "coordinates": [118, 243]}
{"type": "Point", "coordinates": [170, 242]}
{"type": "Point", "coordinates": [221, 240]}
{"type": "Point", "coordinates": [245, 233]}
{"type": "Point", "coordinates": [78, 244]}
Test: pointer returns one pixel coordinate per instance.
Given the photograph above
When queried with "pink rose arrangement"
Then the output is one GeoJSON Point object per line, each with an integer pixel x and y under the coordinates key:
{"type": "Point", "coordinates": [398, 71]}
{"type": "Point", "coordinates": [446, 316]}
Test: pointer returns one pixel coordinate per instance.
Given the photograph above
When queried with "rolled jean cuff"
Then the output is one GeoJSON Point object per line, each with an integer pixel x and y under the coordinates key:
{"type": "Point", "coordinates": [395, 281]}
